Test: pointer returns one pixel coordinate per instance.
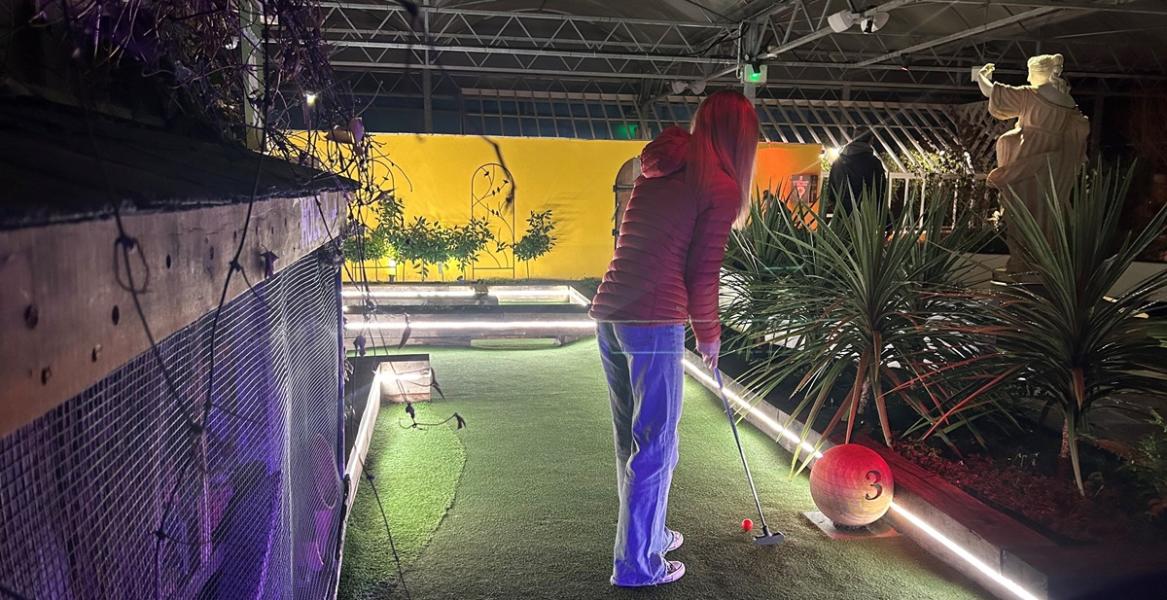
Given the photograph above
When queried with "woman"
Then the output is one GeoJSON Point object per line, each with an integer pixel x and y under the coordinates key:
{"type": "Point", "coordinates": [694, 187]}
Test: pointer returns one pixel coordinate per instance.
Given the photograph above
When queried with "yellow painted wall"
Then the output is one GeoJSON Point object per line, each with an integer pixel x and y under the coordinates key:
{"type": "Point", "coordinates": [574, 178]}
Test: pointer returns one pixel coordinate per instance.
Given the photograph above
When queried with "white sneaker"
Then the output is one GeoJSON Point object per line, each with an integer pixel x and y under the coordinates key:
{"type": "Point", "coordinates": [678, 539]}
{"type": "Point", "coordinates": [675, 570]}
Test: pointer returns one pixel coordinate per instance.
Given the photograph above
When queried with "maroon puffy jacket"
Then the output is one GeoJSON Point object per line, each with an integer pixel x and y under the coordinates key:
{"type": "Point", "coordinates": [672, 241]}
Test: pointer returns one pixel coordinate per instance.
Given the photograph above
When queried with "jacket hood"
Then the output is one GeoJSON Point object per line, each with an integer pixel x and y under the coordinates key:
{"type": "Point", "coordinates": [855, 148]}
{"type": "Point", "coordinates": [666, 154]}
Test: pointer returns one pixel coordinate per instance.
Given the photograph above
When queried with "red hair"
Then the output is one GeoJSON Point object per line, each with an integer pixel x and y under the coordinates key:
{"type": "Point", "coordinates": [724, 140]}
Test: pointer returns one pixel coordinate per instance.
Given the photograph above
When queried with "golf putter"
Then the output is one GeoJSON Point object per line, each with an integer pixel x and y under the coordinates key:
{"type": "Point", "coordinates": [767, 538]}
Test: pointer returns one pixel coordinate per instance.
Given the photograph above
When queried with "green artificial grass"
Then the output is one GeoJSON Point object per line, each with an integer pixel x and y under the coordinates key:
{"type": "Point", "coordinates": [535, 509]}
{"type": "Point", "coordinates": [415, 472]}
{"type": "Point", "coordinates": [514, 344]}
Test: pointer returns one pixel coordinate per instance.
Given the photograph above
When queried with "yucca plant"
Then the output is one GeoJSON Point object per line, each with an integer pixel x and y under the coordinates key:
{"type": "Point", "coordinates": [1075, 339]}
{"type": "Point", "coordinates": [882, 314]}
{"type": "Point", "coordinates": [758, 255]}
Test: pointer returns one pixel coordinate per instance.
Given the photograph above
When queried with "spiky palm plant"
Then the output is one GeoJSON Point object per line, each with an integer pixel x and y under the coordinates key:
{"type": "Point", "coordinates": [882, 313]}
{"type": "Point", "coordinates": [1076, 339]}
{"type": "Point", "coordinates": [758, 255]}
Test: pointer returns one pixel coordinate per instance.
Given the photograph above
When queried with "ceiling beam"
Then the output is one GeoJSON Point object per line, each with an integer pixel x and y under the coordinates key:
{"type": "Point", "coordinates": [333, 34]}
{"type": "Point", "coordinates": [960, 35]}
{"type": "Point", "coordinates": [816, 35]}
{"type": "Point", "coordinates": [699, 60]}
{"type": "Point", "coordinates": [560, 73]}
{"type": "Point", "coordinates": [833, 66]}
{"type": "Point", "coordinates": [545, 16]}
{"type": "Point", "coordinates": [631, 98]}
{"type": "Point", "coordinates": [1081, 5]}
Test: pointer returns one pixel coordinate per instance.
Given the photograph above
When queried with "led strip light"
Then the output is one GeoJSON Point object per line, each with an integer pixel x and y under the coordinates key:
{"type": "Point", "coordinates": [567, 294]}
{"type": "Point", "coordinates": [775, 429]}
{"type": "Point", "coordinates": [411, 295]}
{"type": "Point", "coordinates": [577, 324]}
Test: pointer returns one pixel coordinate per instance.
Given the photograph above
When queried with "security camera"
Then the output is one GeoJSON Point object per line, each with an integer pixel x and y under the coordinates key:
{"type": "Point", "coordinates": [873, 22]}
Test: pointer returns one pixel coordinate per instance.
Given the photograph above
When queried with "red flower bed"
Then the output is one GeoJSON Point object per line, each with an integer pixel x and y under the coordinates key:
{"type": "Point", "coordinates": [1048, 503]}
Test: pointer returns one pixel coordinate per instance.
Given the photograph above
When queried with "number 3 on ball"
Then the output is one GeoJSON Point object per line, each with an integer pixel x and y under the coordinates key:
{"type": "Point", "coordinates": [875, 477]}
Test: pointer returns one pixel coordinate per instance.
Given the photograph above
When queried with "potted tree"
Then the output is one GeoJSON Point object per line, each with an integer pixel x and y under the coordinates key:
{"type": "Point", "coordinates": [468, 241]}
{"type": "Point", "coordinates": [365, 243]}
{"type": "Point", "coordinates": [422, 243]}
{"type": "Point", "coordinates": [537, 241]}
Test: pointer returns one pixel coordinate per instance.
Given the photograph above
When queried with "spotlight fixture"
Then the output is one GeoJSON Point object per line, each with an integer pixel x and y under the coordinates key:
{"type": "Point", "coordinates": [310, 98]}
{"type": "Point", "coordinates": [697, 86]}
{"type": "Point", "coordinates": [868, 22]}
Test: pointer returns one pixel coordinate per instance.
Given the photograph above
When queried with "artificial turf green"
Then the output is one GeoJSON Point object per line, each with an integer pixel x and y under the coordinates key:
{"type": "Point", "coordinates": [535, 508]}
{"type": "Point", "coordinates": [415, 472]}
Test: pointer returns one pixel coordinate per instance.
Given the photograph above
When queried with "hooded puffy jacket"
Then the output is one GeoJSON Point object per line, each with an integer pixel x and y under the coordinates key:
{"type": "Point", "coordinates": [671, 243]}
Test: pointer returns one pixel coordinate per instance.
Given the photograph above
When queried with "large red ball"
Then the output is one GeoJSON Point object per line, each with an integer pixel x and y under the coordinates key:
{"type": "Point", "coordinates": [852, 485]}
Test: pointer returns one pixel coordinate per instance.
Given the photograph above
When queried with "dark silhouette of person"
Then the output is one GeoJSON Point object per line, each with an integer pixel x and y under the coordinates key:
{"type": "Point", "coordinates": [856, 174]}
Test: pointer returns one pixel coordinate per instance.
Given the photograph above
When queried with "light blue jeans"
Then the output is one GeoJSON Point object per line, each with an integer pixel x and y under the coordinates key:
{"type": "Point", "coordinates": [645, 379]}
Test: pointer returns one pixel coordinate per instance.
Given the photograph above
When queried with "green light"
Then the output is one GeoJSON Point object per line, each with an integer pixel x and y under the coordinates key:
{"type": "Point", "coordinates": [625, 131]}
{"type": "Point", "coordinates": [753, 74]}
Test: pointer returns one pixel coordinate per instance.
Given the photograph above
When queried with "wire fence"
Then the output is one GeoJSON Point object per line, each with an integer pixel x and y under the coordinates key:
{"type": "Point", "coordinates": [85, 490]}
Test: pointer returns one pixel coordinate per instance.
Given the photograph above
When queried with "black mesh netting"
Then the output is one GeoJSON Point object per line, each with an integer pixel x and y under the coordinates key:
{"type": "Point", "coordinates": [114, 494]}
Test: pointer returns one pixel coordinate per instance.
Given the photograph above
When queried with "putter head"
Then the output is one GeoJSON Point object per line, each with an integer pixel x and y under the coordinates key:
{"type": "Point", "coordinates": [769, 539]}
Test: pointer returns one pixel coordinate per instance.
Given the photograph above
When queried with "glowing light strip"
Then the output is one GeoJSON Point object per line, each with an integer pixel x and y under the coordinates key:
{"type": "Point", "coordinates": [459, 292]}
{"type": "Point", "coordinates": [466, 325]}
{"type": "Point", "coordinates": [743, 405]}
{"type": "Point", "coordinates": [965, 555]}
{"type": "Point", "coordinates": [411, 295]}
{"type": "Point", "coordinates": [566, 293]}
{"type": "Point", "coordinates": [968, 557]}
{"type": "Point", "coordinates": [509, 293]}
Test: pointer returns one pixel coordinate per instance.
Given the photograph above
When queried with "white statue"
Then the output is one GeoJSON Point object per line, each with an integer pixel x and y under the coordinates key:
{"type": "Point", "coordinates": [1047, 144]}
